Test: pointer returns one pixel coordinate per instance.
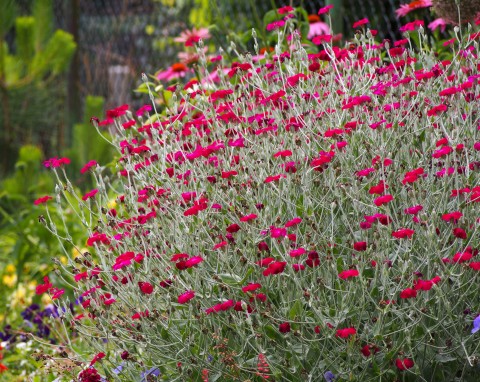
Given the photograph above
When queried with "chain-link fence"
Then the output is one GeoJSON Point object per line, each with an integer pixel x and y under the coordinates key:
{"type": "Point", "coordinates": [119, 39]}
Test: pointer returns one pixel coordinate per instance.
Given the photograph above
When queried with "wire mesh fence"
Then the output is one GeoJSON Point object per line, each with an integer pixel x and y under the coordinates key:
{"type": "Point", "coordinates": [115, 33]}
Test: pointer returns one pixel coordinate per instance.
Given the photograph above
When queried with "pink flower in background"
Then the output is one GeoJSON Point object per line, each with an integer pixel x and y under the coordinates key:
{"type": "Point", "coordinates": [317, 27]}
{"type": "Point", "coordinates": [191, 37]}
{"type": "Point", "coordinates": [177, 70]}
{"type": "Point", "coordinates": [438, 23]}
{"type": "Point", "coordinates": [189, 58]}
{"type": "Point", "coordinates": [405, 9]}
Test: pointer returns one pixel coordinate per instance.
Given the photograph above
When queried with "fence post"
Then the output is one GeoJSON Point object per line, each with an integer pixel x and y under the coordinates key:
{"type": "Point", "coordinates": [336, 14]}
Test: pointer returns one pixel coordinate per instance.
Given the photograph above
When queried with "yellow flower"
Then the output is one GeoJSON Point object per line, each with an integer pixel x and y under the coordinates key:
{"type": "Point", "coordinates": [46, 299]}
{"type": "Point", "coordinates": [112, 203]}
{"type": "Point", "coordinates": [149, 29]}
{"type": "Point", "coordinates": [10, 268]}
{"type": "Point", "coordinates": [64, 260]}
{"type": "Point", "coordinates": [32, 285]}
{"type": "Point", "coordinates": [20, 297]}
{"type": "Point", "coordinates": [10, 280]}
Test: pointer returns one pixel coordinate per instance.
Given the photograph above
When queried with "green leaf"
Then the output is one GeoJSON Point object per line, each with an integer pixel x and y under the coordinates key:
{"type": "Point", "coordinates": [272, 333]}
{"type": "Point", "coordinates": [444, 358]}
{"type": "Point", "coordinates": [230, 279]}
{"type": "Point", "coordinates": [296, 310]}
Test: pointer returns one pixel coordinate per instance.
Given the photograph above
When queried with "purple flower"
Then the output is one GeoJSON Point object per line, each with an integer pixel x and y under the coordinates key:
{"type": "Point", "coordinates": [155, 371]}
{"type": "Point", "coordinates": [118, 369]}
{"type": "Point", "coordinates": [476, 325]}
{"type": "Point", "coordinates": [329, 376]}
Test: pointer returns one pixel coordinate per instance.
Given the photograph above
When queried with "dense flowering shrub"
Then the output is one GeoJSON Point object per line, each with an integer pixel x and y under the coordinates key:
{"type": "Point", "coordinates": [308, 215]}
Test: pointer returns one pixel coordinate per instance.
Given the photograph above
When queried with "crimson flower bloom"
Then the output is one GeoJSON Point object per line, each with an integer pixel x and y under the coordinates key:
{"type": "Point", "coordinates": [475, 265]}
{"type": "Point", "coordinates": [89, 194]}
{"type": "Point", "coordinates": [277, 232]}
{"type": "Point", "coordinates": [293, 222]}
{"type": "Point", "coordinates": [408, 293]}
{"type": "Point", "coordinates": [251, 287]}
{"type": "Point", "coordinates": [359, 23]}
{"type": "Point", "coordinates": [367, 350]}
{"type": "Point", "coordinates": [297, 252]}
{"type": "Point", "coordinates": [88, 166]}
{"type": "Point", "coordinates": [379, 189]}
{"type": "Point", "coordinates": [381, 200]}
{"type": "Point", "coordinates": [194, 260]}
{"type": "Point", "coordinates": [459, 233]}
{"type": "Point", "coordinates": [298, 267]}
{"type": "Point", "coordinates": [97, 358]}
{"type": "Point", "coordinates": [274, 178]}
{"type": "Point", "coordinates": [403, 233]}
{"type": "Point", "coordinates": [410, 27]}
{"type": "Point", "coordinates": [285, 9]}
{"type": "Point", "coordinates": [89, 375]}
{"type": "Point", "coordinates": [232, 228]}
{"type": "Point", "coordinates": [275, 25]}
{"type": "Point", "coordinates": [274, 268]}
{"type": "Point", "coordinates": [282, 154]}
{"type": "Point", "coordinates": [345, 333]}
{"type": "Point", "coordinates": [462, 257]}
{"type": "Point", "coordinates": [42, 200]}
{"type": "Point", "coordinates": [452, 216]}
{"type": "Point", "coordinates": [55, 162]}
{"type": "Point", "coordinates": [412, 176]}
{"type": "Point", "coordinates": [142, 110]}
{"type": "Point", "coordinates": [247, 218]}
{"type": "Point", "coordinates": [284, 327]}
{"type": "Point", "coordinates": [145, 287]}
{"type": "Point", "coordinates": [186, 297]}
{"type": "Point", "coordinates": [81, 276]}
{"type": "Point", "coordinates": [404, 364]}
{"type": "Point", "coordinates": [325, 9]}
{"type": "Point", "coordinates": [220, 307]}
{"type": "Point", "coordinates": [348, 274]}
{"type": "Point", "coordinates": [262, 246]}
{"type": "Point", "coordinates": [413, 210]}
{"type": "Point", "coordinates": [42, 288]}
{"type": "Point", "coordinates": [360, 246]}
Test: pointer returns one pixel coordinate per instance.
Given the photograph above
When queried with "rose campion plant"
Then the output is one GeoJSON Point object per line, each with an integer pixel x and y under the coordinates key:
{"type": "Point", "coordinates": [297, 219]}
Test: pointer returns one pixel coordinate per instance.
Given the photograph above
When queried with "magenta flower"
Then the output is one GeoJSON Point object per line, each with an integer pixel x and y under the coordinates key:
{"type": "Point", "coordinates": [186, 297]}
{"type": "Point", "coordinates": [325, 9]}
